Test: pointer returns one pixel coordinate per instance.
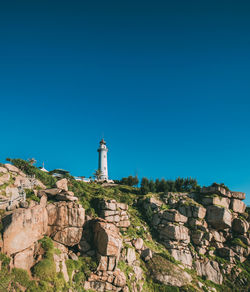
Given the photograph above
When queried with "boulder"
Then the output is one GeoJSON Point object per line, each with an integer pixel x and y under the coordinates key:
{"type": "Point", "coordinates": [122, 206]}
{"type": "Point", "coordinates": [62, 184]}
{"type": "Point", "coordinates": [237, 206]}
{"type": "Point", "coordinates": [12, 168]}
{"type": "Point", "coordinates": [199, 212]}
{"type": "Point", "coordinates": [146, 254]}
{"type": "Point", "coordinates": [217, 236]}
{"type": "Point", "coordinates": [24, 259]}
{"type": "Point", "coordinates": [107, 238]}
{"type": "Point", "coordinates": [4, 178]}
{"type": "Point", "coordinates": [3, 169]}
{"type": "Point", "coordinates": [102, 263]}
{"type": "Point", "coordinates": [240, 226]}
{"type": "Point", "coordinates": [51, 192]}
{"type": "Point", "coordinates": [65, 222]}
{"type": "Point", "coordinates": [23, 227]}
{"type": "Point", "coordinates": [219, 217]}
{"type": "Point", "coordinates": [23, 181]}
{"type": "Point", "coordinates": [175, 232]}
{"type": "Point", "coordinates": [174, 216]}
{"type": "Point", "coordinates": [216, 189]}
{"type": "Point", "coordinates": [69, 236]}
{"type": "Point", "coordinates": [197, 236]}
{"type": "Point", "coordinates": [113, 261]}
{"type": "Point", "coordinates": [64, 214]}
{"type": "Point", "coordinates": [182, 255]}
{"type": "Point", "coordinates": [216, 200]}
{"type": "Point", "coordinates": [238, 195]}
{"type": "Point", "coordinates": [154, 203]}
{"type": "Point", "coordinates": [119, 278]}
{"type": "Point", "coordinates": [12, 192]}
{"type": "Point", "coordinates": [209, 269]}
{"type": "Point", "coordinates": [124, 224]}
{"type": "Point", "coordinates": [194, 223]}
{"type": "Point", "coordinates": [138, 273]}
{"type": "Point", "coordinates": [138, 243]}
{"type": "Point", "coordinates": [131, 256]}
{"type": "Point", "coordinates": [167, 273]}
{"type": "Point", "coordinates": [65, 197]}
{"type": "Point", "coordinates": [108, 205]}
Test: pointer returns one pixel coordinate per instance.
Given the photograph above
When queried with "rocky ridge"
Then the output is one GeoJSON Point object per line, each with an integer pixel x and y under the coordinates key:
{"type": "Point", "coordinates": [158, 241]}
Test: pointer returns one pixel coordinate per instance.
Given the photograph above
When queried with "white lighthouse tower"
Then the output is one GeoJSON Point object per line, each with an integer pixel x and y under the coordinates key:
{"type": "Point", "coordinates": [103, 161]}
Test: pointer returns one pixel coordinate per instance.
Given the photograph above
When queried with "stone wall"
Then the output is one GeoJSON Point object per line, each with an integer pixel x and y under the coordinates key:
{"type": "Point", "coordinates": [197, 228]}
{"type": "Point", "coordinates": [115, 212]}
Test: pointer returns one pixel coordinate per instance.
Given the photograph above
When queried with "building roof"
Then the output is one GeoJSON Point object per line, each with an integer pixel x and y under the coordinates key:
{"type": "Point", "coordinates": [102, 142]}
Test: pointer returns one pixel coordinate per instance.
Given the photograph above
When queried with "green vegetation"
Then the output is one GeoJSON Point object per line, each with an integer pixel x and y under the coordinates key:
{"type": "Point", "coordinates": [30, 196]}
{"type": "Point", "coordinates": [45, 270]}
{"type": "Point", "coordinates": [89, 194]}
{"type": "Point", "coordinates": [82, 268]}
{"type": "Point", "coordinates": [14, 277]}
{"type": "Point", "coordinates": [29, 169]}
{"type": "Point", "coordinates": [129, 181]}
{"type": "Point", "coordinates": [179, 185]}
{"type": "Point", "coordinates": [237, 241]}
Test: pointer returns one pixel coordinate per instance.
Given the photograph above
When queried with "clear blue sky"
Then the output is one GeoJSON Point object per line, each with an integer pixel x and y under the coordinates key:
{"type": "Point", "coordinates": [166, 82]}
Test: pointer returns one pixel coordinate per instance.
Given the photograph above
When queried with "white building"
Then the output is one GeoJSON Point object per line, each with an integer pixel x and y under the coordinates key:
{"type": "Point", "coordinates": [43, 169]}
{"type": "Point", "coordinates": [103, 160]}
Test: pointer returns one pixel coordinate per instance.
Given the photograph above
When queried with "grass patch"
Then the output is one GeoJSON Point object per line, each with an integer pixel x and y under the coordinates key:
{"type": "Point", "coordinates": [237, 241]}
{"type": "Point", "coordinates": [30, 196]}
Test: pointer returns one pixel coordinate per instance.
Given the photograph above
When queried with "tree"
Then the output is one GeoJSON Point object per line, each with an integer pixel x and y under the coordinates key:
{"type": "Point", "coordinates": [31, 161]}
{"type": "Point", "coordinates": [179, 184]}
{"type": "Point", "coordinates": [97, 174]}
{"type": "Point", "coordinates": [129, 181]}
{"type": "Point", "coordinates": [151, 186]}
{"type": "Point", "coordinates": [144, 189]}
{"type": "Point", "coordinates": [157, 185]}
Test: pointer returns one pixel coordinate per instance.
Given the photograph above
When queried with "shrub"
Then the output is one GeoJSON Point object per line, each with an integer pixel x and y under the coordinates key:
{"type": "Point", "coordinates": [21, 276]}
{"type": "Point", "coordinates": [28, 169]}
{"type": "Point", "coordinates": [237, 241]}
{"type": "Point", "coordinates": [45, 270]}
{"type": "Point", "coordinates": [30, 195]}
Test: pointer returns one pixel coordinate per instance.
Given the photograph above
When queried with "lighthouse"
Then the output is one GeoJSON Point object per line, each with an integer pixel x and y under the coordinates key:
{"type": "Point", "coordinates": [103, 161]}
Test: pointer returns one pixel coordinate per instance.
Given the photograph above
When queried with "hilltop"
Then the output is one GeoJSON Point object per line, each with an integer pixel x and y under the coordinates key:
{"type": "Point", "coordinates": [60, 234]}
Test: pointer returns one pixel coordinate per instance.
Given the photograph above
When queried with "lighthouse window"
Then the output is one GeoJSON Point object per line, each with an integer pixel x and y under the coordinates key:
{"type": "Point", "coordinates": [104, 156]}
{"type": "Point", "coordinates": [104, 168]}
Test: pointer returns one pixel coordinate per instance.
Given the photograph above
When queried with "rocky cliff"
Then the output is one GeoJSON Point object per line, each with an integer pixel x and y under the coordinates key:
{"type": "Point", "coordinates": [73, 236]}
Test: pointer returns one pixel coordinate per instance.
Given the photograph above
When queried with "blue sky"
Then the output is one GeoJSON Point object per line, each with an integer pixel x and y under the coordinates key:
{"type": "Point", "coordinates": [165, 82]}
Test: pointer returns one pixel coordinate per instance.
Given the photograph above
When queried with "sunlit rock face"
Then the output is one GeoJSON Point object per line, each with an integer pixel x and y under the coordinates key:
{"type": "Point", "coordinates": [65, 222]}
{"type": "Point", "coordinates": [23, 227]}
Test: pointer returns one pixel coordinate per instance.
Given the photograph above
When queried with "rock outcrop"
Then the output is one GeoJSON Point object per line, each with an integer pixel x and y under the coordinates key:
{"type": "Point", "coordinates": [115, 212]}
{"type": "Point", "coordinates": [65, 222]}
{"type": "Point", "coordinates": [197, 225]}
{"type": "Point", "coordinates": [170, 234]}
{"type": "Point", "coordinates": [23, 227]}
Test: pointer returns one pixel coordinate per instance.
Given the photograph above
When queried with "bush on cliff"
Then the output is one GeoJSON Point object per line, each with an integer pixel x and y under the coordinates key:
{"type": "Point", "coordinates": [46, 269]}
{"type": "Point", "coordinates": [29, 169]}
